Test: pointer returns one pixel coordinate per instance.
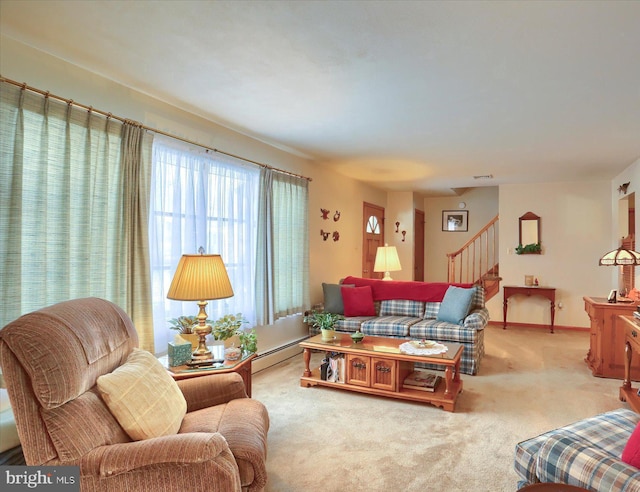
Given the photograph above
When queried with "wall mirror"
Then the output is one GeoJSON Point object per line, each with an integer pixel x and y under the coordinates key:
{"type": "Point", "coordinates": [529, 239]}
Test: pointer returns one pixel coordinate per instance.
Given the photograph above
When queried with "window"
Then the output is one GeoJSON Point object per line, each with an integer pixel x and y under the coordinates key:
{"type": "Point", "coordinates": [201, 199]}
{"type": "Point", "coordinates": [373, 226]}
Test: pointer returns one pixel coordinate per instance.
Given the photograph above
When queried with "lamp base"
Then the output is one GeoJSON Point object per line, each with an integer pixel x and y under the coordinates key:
{"type": "Point", "coordinates": [387, 276]}
{"type": "Point", "coordinates": [202, 352]}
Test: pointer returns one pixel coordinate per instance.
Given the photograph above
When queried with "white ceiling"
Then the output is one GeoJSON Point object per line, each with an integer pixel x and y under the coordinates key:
{"type": "Point", "coordinates": [410, 95]}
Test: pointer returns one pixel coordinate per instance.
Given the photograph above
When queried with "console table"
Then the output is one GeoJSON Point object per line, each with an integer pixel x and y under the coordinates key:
{"type": "Point", "coordinates": [546, 292]}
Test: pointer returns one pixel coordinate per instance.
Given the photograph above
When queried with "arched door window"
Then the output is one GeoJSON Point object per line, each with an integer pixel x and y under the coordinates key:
{"type": "Point", "coordinates": [373, 226]}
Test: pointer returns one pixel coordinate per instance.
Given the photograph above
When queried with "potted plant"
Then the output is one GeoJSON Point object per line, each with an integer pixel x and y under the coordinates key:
{"type": "Point", "coordinates": [184, 325]}
{"type": "Point", "coordinates": [226, 328]}
{"type": "Point", "coordinates": [248, 340]}
{"type": "Point", "coordinates": [325, 321]}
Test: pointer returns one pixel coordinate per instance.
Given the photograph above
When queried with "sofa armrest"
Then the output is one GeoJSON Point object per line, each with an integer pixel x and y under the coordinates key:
{"type": "Point", "coordinates": [563, 459]}
{"type": "Point", "coordinates": [211, 390]}
{"type": "Point", "coordinates": [477, 319]}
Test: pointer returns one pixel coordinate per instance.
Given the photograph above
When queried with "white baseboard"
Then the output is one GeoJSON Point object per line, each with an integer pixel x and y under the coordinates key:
{"type": "Point", "coordinates": [272, 357]}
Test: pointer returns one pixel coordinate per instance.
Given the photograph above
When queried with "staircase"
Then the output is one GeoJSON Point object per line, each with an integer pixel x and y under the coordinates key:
{"type": "Point", "coordinates": [477, 260]}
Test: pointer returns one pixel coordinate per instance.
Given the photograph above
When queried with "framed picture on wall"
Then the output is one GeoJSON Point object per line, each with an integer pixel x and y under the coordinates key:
{"type": "Point", "coordinates": [455, 220]}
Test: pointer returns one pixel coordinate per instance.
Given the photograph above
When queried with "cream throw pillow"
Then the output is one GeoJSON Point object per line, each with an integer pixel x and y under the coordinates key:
{"type": "Point", "coordinates": [143, 397]}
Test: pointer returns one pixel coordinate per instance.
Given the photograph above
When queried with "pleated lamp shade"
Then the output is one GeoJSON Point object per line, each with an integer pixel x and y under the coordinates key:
{"type": "Point", "coordinates": [620, 256]}
{"type": "Point", "coordinates": [387, 260]}
{"type": "Point", "coordinates": [200, 278]}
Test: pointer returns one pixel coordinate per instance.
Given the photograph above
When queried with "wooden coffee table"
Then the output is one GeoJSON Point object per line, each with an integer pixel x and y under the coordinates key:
{"type": "Point", "coordinates": [376, 366]}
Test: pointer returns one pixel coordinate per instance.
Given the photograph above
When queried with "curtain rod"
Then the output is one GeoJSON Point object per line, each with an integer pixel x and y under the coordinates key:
{"type": "Point", "coordinates": [24, 86]}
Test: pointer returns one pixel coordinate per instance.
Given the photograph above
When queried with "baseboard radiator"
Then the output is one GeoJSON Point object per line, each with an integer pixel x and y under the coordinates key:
{"type": "Point", "coordinates": [278, 354]}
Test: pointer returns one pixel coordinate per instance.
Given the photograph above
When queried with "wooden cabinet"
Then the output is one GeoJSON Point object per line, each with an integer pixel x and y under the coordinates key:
{"type": "Point", "coordinates": [372, 372]}
{"type": "Point", "coordinates": [632, 343]}
{"type": "Point", "coordinates": [359, 370]}
{"type": "Point", "coordinates": [383, 374]}
{"type": "Point", "coordinates": [606, 356]}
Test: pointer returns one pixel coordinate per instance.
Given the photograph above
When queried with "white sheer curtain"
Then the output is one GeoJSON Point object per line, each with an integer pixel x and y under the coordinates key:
{"type": "Point", "coordinates": [201, 199]}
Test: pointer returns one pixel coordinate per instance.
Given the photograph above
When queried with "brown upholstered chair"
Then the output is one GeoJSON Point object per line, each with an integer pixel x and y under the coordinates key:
{"type": "Point", "coordinates": [51, 360]}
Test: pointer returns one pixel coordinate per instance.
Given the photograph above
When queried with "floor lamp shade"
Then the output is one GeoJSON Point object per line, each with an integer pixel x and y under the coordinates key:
{"type": "Point", "coordinates": [387, 260]}
{"type": "Point", "coordinates": [200, 278]}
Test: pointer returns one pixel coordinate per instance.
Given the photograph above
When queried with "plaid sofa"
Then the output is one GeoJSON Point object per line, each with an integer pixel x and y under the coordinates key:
{"type": "Point", "coordinates": [585, 454]}
{"type": "Point", "coordinates": [417, 320]}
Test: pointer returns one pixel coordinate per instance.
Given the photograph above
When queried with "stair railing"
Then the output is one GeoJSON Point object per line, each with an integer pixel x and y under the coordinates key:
{"type": "Point", "coordinates": [478, 258]}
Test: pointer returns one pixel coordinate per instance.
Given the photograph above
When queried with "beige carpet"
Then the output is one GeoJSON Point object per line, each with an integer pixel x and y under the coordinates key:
{"type": "Point", "coordinates": [329, 440]}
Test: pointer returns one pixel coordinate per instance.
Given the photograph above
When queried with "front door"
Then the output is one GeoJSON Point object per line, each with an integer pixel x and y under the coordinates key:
{"type": "Point", "coordinates": [372, 237]}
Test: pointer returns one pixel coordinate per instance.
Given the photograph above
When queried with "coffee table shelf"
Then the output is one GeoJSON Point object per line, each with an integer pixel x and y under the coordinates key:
{"type": "Point", "coordinates": [377, 367]}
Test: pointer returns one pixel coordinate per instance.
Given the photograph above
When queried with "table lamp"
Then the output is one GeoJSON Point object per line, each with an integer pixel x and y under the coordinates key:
{"type": "Point", "coordinates": [200, 278]}
{"type": "Point", "coordinates": [387, 261]}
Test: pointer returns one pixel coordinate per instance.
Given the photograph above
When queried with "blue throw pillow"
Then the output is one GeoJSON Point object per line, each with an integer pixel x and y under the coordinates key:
{"type": "Point", "coordinates": [456, 304]}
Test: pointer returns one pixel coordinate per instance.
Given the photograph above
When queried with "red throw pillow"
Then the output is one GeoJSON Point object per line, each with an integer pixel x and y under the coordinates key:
{"type": "Point", "coordinates": [631, 452]}
{"type": "Point", "coordinates": [358, 301]}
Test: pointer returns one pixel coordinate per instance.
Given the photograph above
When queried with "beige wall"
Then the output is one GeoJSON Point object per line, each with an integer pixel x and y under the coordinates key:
{"type": "Point", "coordinates": [575, 232]}
{"type": "Point", "coordinates": [400, 209]}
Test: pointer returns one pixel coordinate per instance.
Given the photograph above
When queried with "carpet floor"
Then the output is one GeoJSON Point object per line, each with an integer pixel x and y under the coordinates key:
{"type": "Point", "coordinates": [324, 439]}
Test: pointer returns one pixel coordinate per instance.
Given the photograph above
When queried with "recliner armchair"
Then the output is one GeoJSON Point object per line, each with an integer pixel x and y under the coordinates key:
{"type": "Point", "coordinates": [51, 360]}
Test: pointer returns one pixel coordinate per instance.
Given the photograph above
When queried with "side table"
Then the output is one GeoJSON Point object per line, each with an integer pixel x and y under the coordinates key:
{"type": "Point", "coordinates": [546, 292]}
{"type": "Point", "coordinates": [241, 366]}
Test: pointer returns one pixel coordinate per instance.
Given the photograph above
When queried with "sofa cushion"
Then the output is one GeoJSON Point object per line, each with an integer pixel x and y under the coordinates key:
{"type": "Point", "coordinates": [398, 307]}
{"type": "Point", "coordinates": [143, 397]}
{"type": "Point", "coordinates": [607, 432]}
{"type": "Point", "coordinates": [631, 451]}
{"type": "Point", "coordinates": [564, 459]}
{"type": "Point", "coordinates": [351, 324]}
{"type": "Point", "coordinates": [456, 304]}
{"type": "Point", "coordinates": [72, 441]}
{"type": "Point", "coordinates": [442, 331]}
{"type": "Point", "coordinates": [389, 326]}
{"type": "Point", "coordinates": [333, 297]}
{"type": "Point", "coordinates": [358, 301]}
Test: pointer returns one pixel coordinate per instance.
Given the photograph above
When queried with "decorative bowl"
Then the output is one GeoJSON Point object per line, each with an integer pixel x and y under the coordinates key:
{"type": "Point", "coordinates": [357, 336]}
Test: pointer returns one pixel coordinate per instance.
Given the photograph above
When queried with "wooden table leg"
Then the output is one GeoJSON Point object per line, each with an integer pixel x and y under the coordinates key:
{"type": "Point", "coordinates": [553, 314]}
{"type": "Point", "coordinates": [448, 379]}
{"type": "Point", "coordinates": [307, 359]}
{"type": "Point", "coordinates": [504, 313]}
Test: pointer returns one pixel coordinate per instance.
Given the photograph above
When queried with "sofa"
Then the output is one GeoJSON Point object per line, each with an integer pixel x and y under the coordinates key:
{"type": "Point", "coordinates": [589, 454]}
{"type": "Point", "coordinates": [412, 310]}
{"type": "Point", "coordinates": [84, 395]}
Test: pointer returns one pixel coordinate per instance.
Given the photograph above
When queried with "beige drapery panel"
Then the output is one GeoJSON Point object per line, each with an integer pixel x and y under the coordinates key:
{"type": "Point", "coordinates": [282, 271]}
{"type": "Point", "coordinates": [136, 166]}
{"type": "Point", "coordinates": [73, 192]}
